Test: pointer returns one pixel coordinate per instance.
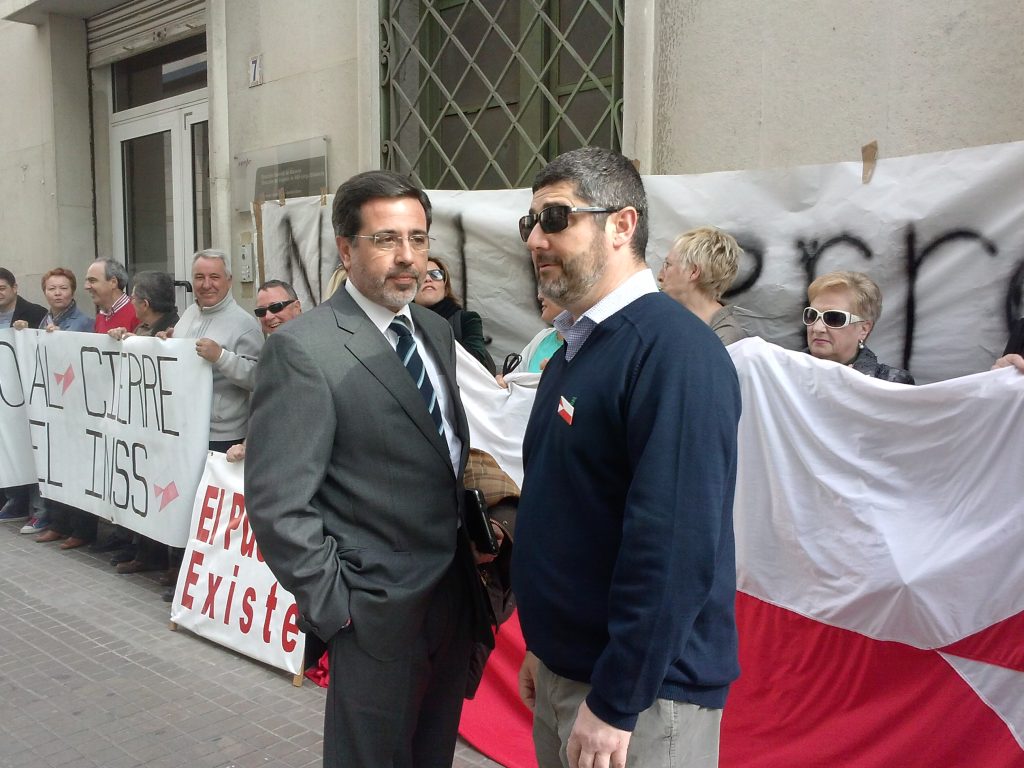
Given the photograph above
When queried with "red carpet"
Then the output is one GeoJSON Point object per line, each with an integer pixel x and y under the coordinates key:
{"type": "Point", "coordinates": [496, 722]}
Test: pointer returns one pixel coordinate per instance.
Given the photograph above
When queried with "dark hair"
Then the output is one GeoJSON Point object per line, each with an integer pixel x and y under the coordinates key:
{"type": "Point", "coordinates": [156, 288]}
{"type": "Point", "coordinates": [60, 272]}
{"type": "Point", "coordinates": [7, 276]}
{"type": "Point", "coordinates": [449, 292]}
{"type": "Point", "coordinates": [114, 270]}
{"type": "Point", "coordinates": [369, 185]}
{"type": "Point", "coordinates": [601, 177]}
{"type": "Point", "coordinates": [279, 284]}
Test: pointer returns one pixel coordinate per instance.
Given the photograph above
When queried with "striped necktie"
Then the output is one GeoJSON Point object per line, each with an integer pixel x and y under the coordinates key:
{"type": "Point", "coordinates": [413, 363]}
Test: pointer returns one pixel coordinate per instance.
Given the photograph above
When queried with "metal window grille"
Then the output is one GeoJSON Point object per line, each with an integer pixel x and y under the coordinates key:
{"type": "Point", "coordinates": [479, 94]}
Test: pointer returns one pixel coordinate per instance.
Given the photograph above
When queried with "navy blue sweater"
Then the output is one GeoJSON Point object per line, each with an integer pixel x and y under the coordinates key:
{"type": "Point", "coordinates": [624, 565]}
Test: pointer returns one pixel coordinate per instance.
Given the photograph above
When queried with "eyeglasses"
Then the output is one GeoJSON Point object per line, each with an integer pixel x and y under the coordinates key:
{"type": "Point", "coordinates": [435, 274]}
{"type": "Point", "coordinates": [832, 318]}
{"type": "Point", "coordinates": [389, 241]}
{"type": "Point", "coordinates": [555, 218]}
{"type": "Point", "coordinates": [273, 309]}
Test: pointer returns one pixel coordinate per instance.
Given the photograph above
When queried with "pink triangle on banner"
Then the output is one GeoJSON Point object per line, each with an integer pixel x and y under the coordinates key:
{"type": "Point", "coordinates": [167, 494]}
{"type": "Point", "coordinates": [65, 379]}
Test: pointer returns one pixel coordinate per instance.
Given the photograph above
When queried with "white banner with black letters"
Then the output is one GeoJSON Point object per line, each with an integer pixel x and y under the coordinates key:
{"type": "Point", "coordinates": [118, 429]}
{"type": "Point", "coordinates": [941, 233]}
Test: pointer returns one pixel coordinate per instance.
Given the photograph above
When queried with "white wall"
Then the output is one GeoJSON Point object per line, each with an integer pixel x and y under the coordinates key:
{"type": "Point", "coordinates": [742, 85]}
{"type": "Point", "coordinates": [46, 218]}
{"type": "Point", "coordinates": [319, 78]}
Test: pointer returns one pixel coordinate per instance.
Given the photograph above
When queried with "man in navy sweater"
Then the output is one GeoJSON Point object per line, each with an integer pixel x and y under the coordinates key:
{"type": "Point", "coordinates": [624, 565]}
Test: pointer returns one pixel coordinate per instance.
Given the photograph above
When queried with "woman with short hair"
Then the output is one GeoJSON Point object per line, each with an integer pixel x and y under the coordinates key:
{"type": "Point", "coordinates": [844, 307]}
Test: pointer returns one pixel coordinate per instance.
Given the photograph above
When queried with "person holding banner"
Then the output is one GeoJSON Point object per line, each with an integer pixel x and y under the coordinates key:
{"type": "Point", "coordinates": [15, 312]}
{"type": "Point", "coordinates": [59, 285]}
{"type": "Point", "coordinates": [355, 458]}
{"type": "Point", "coordinates": [624, 566]}
{"type": "Point", "coordinates": [276, 304]}
{"type": "Point", "coordinates": [154, 303]}
{"type": "Point", "coordinates": [844, 307]}
{"type": "Point", "coordinates": [228, 338]}
{"type": "Point", "coordinates": [106, 281]}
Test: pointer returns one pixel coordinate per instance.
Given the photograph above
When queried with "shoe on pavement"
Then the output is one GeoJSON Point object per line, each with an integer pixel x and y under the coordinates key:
{"type": "Point", "coordinates": [73, 543]}
{"type": "Point", "coordinates": [124, 556]}
{"type": "Point", "coordinates": [169, 578]}
{"type": "Point", "coordinates": [49, 535]}
{"type": "Point", "coordinates": [34, 525]}
{"type": "Point", "coordinates": [13, 512]}
{"type": "Point", "coordinates": [168, 595]}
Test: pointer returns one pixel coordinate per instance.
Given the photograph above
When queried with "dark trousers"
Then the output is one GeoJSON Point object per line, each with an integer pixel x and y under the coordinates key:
{"type": "Point", "coordinates": [402, 713]}
{"type": "Point", "coordinates": [71, 521]}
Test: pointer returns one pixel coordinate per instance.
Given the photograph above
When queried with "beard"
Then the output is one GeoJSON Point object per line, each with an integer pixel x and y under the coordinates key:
{"type": "Point", "coordinates": [578, 273]}
{"type": "Point", "coordinates": [380, 291]}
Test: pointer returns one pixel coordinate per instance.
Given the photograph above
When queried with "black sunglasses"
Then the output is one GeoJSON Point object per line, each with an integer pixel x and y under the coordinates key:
{"type": "Point", "coordinates": [273, 309]}
{"type": "Point", "coordinates": [555, 218]}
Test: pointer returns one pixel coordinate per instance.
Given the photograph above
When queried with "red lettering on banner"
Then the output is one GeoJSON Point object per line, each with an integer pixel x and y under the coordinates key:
{"type": "Point", "coordinates": [206, 514]}
{"type": "Point", "coordinates": [213, 584]}
{"type": "Point", "coordinates": [271, 605]}
{"type": "Point", "coordinates": [235, 518]}
{"type": "Point", "coordinates": [249, 545]}
{"type": "Point", "coordinates": [192, 579]}
{"type": "Point", "coordinates": [289, 628]}
{"type": "Point", "coordinates": [248, 598]}
{"type": "Point", "coordinates": [231, 596]}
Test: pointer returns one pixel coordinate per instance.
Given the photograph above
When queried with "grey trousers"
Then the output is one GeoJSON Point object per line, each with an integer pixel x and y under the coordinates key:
{"type": "Point", "coordinates": [669, 734]}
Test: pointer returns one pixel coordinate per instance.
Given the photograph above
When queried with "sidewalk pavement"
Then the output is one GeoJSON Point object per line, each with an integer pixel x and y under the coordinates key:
{"type": "Point", "coordinates": [91, 676]}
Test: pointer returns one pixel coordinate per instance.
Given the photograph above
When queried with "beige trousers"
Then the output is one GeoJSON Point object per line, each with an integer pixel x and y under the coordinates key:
{"type": "Point", "coordinates": [669, 734]}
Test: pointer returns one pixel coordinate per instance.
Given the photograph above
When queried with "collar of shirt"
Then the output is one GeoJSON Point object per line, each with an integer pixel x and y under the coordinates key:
{"type": "Point", "coordinates": [228, 299]}
{"type": "Point", "coordinates": [382, 317]}
{"type": "Point", "coordinates": [378, 315]}
{"type": "Point", "coordinates": [118, 305]}
{"type": "Point", "coordinates": [632, 288]}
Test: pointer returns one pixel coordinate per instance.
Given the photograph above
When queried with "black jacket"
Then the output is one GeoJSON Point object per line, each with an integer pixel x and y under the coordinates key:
{"type": "Point", "coordinates": [26, 310]}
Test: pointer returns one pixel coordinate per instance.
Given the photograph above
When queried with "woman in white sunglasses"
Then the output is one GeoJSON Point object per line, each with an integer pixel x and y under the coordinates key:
{"type": "Point", "coordinates": [843, 309]}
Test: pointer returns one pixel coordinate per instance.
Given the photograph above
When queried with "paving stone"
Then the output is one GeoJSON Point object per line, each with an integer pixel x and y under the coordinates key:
{"type": "Point", "coordinates": [97, 680]}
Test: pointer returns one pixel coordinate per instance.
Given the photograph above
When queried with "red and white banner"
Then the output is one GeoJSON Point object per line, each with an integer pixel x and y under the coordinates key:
{"type": "Point", "coordinates": [118, 429]}
{"type": "Point", "coordinates": [225, 591]}
{"type": "Point", "coordinates": [879, 534]}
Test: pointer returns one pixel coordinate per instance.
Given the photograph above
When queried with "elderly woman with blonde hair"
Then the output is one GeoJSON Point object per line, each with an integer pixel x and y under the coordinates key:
{"type": "Point", "coordinates": [844, 307]}
{"type": "Point", "coordinates": [699, 268]}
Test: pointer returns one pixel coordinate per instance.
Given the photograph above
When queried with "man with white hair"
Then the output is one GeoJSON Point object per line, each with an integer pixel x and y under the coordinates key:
{"type": "Point", "coordinates": [229, 338]}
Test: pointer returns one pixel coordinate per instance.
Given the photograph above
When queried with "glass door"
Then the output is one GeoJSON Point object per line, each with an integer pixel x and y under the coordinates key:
{"type": "Point", "coordinates": [160, 186]}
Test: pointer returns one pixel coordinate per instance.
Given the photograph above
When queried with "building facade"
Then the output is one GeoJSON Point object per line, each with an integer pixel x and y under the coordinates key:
{"type": "Point", "coordinates": [144, 130]}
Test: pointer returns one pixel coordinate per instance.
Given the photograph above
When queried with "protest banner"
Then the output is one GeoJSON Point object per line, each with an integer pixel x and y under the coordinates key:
{"type": "Point", "coordinates": [17, 464]}
{"type": "Point", "coordinates": [941, 233]}
{"type": "Point", "coordinates": [116, 428]}
{"type": "Point", "coordinates": [225, 592]}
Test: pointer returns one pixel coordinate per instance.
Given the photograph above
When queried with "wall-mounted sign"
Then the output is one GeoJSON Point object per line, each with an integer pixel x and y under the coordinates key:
{"type": "Point", "coordinates": [297, 169]}
{"type": "Point", "coordinates": [256, 71]}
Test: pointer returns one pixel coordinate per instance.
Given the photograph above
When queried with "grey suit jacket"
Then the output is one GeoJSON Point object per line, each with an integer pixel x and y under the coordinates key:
{"type": "Point", "coordinates": [348, 486]}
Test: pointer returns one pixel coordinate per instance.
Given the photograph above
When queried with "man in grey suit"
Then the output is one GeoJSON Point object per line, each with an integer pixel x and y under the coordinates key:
{"type": "Point", "coordinates": [353, 484]}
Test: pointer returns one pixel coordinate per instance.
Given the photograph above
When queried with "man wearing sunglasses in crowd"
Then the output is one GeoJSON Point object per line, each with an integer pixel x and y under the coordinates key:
{"type": "Point", "coordinates": [276, 303]}
{"type": "Point", "coordinates": [624, 565]}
